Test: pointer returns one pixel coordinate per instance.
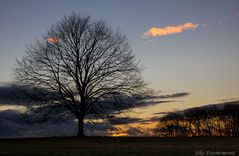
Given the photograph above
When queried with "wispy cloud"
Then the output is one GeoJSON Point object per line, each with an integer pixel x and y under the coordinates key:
{"type": "Point", "coordinates": [124, 120]}
{"type": "Point", "coordinates": [169, 30]}
{"type": "Point", "coordinates": [175, 95]}
{"type": "Point", "coordinates": [225, 19]}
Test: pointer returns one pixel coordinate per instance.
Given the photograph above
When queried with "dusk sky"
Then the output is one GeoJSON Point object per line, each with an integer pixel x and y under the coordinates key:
{"type": "Point", "coordinates": [185, 46]}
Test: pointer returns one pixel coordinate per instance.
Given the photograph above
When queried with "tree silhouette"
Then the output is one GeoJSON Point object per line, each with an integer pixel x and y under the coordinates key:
{"type": "Point", "coordinates": [87, 67]}
{"type": "Point", "coordinates": [211, 120]}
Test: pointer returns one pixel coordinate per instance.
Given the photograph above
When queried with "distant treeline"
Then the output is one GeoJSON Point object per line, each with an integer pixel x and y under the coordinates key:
{"type": "Point", "coordinates": [211, 120]}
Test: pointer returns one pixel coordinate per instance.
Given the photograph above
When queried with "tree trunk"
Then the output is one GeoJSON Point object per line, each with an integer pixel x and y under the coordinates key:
{"type": "Point", "coordinates": [80, 126]}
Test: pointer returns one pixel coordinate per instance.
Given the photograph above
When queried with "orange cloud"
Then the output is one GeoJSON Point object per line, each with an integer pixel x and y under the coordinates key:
{"type": "Point", "coordinates": [52, 40]}
{"type": "Point", "coordinates": [169, 30]}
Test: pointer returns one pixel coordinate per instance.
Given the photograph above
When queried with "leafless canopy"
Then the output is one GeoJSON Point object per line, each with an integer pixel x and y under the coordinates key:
{"type": "Point", "coordinates": [87, 66]}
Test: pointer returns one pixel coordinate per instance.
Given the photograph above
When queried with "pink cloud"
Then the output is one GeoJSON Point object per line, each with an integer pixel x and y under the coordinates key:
{"type": "Point", "coordinates": [169, 30]}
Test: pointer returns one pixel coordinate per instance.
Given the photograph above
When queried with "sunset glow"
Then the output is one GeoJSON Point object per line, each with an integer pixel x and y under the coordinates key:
{"type": "Point", "coordinates": [119, 135]}
{"type": "Point", "coordinates": [188, 51]}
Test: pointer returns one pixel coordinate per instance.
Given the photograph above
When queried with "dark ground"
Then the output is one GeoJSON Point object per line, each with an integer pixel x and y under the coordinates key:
{"type": "Point", "coordinates": [112, 146]}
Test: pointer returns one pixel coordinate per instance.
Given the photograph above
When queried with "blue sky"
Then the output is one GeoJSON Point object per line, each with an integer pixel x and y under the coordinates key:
{"type": "Point", "coordinates": [202, 61]}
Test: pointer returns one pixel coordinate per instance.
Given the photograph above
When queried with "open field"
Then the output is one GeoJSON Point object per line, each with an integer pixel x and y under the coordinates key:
{"type": "Point", "coordinates": [109, 146]}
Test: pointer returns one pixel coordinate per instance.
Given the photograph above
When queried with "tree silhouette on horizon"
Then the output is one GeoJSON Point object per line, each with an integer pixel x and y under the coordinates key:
{"type": "Point", "coordinates": [88, 67]}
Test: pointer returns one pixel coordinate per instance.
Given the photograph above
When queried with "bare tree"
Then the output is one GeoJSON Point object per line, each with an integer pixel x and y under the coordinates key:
{"type": "Point", "coordinates": [87, 66]}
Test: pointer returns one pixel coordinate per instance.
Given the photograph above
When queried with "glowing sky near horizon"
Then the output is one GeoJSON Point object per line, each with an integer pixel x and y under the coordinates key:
{"type": "Point", "coordinates": [193, 46]}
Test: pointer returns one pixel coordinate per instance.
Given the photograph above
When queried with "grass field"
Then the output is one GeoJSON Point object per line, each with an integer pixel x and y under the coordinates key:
{"type": "Point", "coordinates": [113, 146]}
